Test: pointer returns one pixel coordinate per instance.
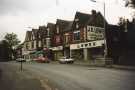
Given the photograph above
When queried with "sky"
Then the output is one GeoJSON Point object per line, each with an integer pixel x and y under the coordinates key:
{"type": "Point", "coordinates": [19, 16]}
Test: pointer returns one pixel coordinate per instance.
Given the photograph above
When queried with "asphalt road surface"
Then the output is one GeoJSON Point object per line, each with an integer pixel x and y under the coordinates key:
{"type": "Point", "coordinates": [76, 77]}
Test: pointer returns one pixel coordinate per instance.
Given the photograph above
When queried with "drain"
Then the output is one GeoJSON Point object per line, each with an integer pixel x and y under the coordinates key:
{"type": "Point", "coordinates": [92, 69]}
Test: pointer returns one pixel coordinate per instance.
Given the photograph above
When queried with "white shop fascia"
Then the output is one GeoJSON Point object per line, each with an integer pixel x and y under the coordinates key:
{"type": "Point", "coordinates": [57, 48]}
{"type": "Point", "coordinates": [91, 44]}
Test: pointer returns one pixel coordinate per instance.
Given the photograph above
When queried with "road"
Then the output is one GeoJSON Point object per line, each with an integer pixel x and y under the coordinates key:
{"type": "Point", "coordinates": [75, 77]}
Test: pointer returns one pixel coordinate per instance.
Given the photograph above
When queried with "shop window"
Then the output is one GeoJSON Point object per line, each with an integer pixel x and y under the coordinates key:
{"type": "Point", "coordinates": [92, 29]}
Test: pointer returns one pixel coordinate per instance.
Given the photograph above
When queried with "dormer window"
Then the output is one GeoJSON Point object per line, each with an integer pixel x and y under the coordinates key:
{"type": "Point", "coordinates": [48, 31]}
{"type": "Point", "coordinates": [57, 29]}
{"type": "Point", "coordinates": [77, 26]}
{"type": "Point", "coordinates": [76, 20]}
{"type": "Point", "coordinates": [39, 35]}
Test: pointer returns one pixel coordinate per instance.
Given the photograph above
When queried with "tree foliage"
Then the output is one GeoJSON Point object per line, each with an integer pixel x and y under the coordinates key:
{"type": "Point", "coordinates": [121, 21]}
{"type": "Point", "coordinates": [12, 39]}
{"type": "Point", "coordinates": [130, 3]}
{"type": "Point", "coordinates": [4, 51]}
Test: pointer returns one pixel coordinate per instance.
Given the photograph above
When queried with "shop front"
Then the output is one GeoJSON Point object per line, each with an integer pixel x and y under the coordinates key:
{"type": "Point", "coordinates": [88, 51]}
{"type": "Point", "coordinates": [57, 52]}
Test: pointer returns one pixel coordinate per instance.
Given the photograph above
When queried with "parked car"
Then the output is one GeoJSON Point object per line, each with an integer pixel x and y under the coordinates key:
{"type": "Point", "coordinates": [65, 60]}
{"type": "Point", "coordinates": [20, 60]}
{"type": "Point", "coordinates": [42, 59]}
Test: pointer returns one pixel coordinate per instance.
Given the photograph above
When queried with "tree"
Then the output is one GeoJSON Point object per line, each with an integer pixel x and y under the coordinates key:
{"type": "Point", "coordinates": [130, 3]}
{"type": "Point", "coordinates": [13, 41]}
{"type": "Point", "coordinates": [4, 50]}
{"type": "Point", "coordinates": [123, 23]}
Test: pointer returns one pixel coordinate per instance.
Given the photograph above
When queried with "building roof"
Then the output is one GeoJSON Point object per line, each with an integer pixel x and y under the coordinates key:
{"type": "Point", "coordinates": [42, 31]}
{"type": "Point", "coordinates": [68, 27]}
{"type": "Point", "coordinates": [64, 25]}
{"type": "Point", "coordinates": [35, 32]}
{"type": "Point", "coordinates": [51, 26]}
{"type": "Point", "coordinates": [82, 18]}
{"type": "Point", "coordinates": [96, 19]}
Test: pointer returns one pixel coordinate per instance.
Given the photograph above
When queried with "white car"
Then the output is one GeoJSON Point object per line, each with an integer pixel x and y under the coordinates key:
{"type": "Point", "coordinates": [65, 60]}
{"type": "Point", "coordinates": [20, 60]}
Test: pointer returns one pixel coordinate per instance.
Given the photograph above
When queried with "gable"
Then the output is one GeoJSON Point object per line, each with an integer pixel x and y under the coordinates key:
{"type": "Point", "coordinates": [28, 36]}
{"type": "Point", "coordinates": [81, 19]}
{"type": "Point", "coordinates": [96, 20]}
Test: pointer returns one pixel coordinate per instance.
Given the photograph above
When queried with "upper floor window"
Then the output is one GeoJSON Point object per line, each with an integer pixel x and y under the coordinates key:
{"type": "Point", "coordinates": [58, 40]}
{"type": "Point", "coordinates": [57, 29]}
{"type": "Point", "coordinates": [77, 35]}
{"type": "Point", "coordinates": [48, 42]}
{"type": "Point", "coordinates": [39, 35]}
{"type": "Point", "coordinates": [32, 45]}
{"type": "Point", "coordinates": [92, 29]}
{"type": "Point", "coordinates": [32, 37]}
{"type": "Point", "coordinates": [27, 46]}
{"type": "Point", "coordinates": [67, 38]}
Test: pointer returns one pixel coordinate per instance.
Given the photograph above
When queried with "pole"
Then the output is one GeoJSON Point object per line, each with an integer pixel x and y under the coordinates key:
{"type": "Point", "coordinates": [21, 65]}
{"type": "Point", "coordinates": [105, 43]}
{"type": "Point", "coordinates": [108, 61]}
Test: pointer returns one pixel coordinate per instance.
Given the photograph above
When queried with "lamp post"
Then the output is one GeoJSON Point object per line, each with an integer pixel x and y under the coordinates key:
{"type": "Point", "coordinates": [105, 38]}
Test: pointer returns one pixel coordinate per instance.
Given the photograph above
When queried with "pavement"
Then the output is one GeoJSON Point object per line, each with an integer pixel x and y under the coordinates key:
{"type": "Point", "coordinates": [12, 78]}
{"type": "Point", "coordinates": [114, 66]}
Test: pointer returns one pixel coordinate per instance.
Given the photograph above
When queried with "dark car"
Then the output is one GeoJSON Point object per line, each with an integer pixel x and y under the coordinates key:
{"type": "Point", "coordinates": [42, 59]}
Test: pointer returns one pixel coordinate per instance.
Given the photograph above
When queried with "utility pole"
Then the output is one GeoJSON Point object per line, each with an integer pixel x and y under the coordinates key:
{"type": "Point", "coordinates": [107, 61]}
{"type": "Point", "coordinates": [105, 38]}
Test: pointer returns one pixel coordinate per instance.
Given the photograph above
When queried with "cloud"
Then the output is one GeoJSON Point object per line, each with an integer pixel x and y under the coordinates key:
{"type": "Point", "coordinates": [15, 6]}
{"type": "Point", "coordinates": [12, 6]}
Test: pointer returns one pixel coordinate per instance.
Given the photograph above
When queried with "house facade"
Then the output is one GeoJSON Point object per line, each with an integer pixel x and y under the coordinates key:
{"type": "Point", "coordinates": [41, 37]}
{"type": "Point", "coordinates": [27, 47]}
{"type": "Point", "coordinates": [57, 40]}
{"type": "Point", "coordinates": [88, 37]}
{"type": "Point", "coordinates": [67, 38]}
{"type": "Point", "coordinates": [34, 41]}
{"type": "Point", "coordinates": [49, 35]}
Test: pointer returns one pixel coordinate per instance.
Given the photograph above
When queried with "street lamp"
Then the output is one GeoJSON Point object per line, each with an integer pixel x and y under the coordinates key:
{"type": "Point", "coordinates": [105, 42]}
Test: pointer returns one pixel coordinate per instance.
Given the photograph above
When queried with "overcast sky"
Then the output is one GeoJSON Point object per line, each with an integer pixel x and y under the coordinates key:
{"type": "Point", "coordinates": [17, 15]}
